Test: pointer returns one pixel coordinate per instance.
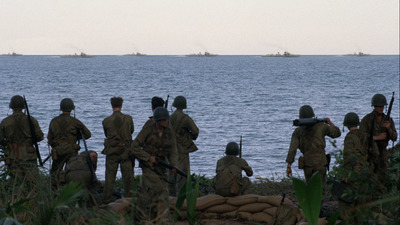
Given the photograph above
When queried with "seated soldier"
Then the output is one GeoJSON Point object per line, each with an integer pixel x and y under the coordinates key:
{"type": "Point", "coordinates": [228, 181]}
{"type": "Point", "coordinates": [77, 170]}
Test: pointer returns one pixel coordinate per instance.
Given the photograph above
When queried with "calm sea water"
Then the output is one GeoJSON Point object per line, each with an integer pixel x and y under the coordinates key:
{"type": "Point", "coordinates": [228, 97]}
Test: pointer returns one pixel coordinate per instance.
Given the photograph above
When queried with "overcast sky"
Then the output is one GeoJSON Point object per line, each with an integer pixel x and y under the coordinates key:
{"type": "Point", "coordinates": [174, 27]}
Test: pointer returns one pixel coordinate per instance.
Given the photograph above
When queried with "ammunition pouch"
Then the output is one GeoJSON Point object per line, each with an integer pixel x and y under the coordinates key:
{"type": "Point", "coordinates": [65, 149]}
{"type": "Point", "coordinates": [61, 176]}
{"type": "Point", "coordinates": [114, 146]}
{"type": "Point", "coordinates": [158, 152]}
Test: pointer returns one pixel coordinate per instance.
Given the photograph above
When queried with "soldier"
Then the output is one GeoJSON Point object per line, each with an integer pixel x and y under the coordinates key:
{"type": "Point", "coordinates": [186, 132]}
{"type": "Point", "coordinates": [229, 182]}
{"type": "Point", "coordinates": [156, 140]}
{"type": "Point", "coordinates": [77, 169]}
{"type": "Point", "coordinates": [118, 128]}
{"type": "Point", "coordinates": [15, 133]}
{"type": "Point", "coordinates": [155, 102]}
{"type": "Point", "coordinates": [311, 142]}
{"type": "Point", "coordinates": [359, 172]}
{"type": "Point", "coordinates": [381, 129]}
{"type": "Point", "coordinates": [63, 136]}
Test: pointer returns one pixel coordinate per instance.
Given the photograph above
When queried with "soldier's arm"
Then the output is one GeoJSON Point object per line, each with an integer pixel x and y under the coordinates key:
{"type": "Point", "coordinates": [137, 145]}
{"type": "Point", "coordinates": [193, 129]}
{"type": "Point", "coordinates": [173, 156]}
{"type": "Point", "coordinates": [85, 130]}
{"type": "Point", "coordinates": [332, 131]}
{"type": "Point", "coordinates": [247, 168]}
{"type": "Point", "coordinates": [38, 131]}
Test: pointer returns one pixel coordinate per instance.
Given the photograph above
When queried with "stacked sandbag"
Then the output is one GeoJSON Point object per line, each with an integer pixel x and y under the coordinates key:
{"type": "Point", "coordinates": [256, 208]}
{"type": "Point", "coordinates": [122, 205]}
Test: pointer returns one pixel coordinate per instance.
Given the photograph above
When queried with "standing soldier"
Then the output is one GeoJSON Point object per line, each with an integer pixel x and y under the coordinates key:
{"type": "Point", "coordinates": [381, 129]}
{"type": "Point", "coordinates": [155, 141]}
{"type": "Point", "coordinates": [63, 136]}
{"type": "Point", "coordinates": [229, 182]}
{"type": "Point", "coordinates": [310, 140]}
{"type": "Point", "coordinates": [118, 128]}
{"type": "Point", "coordinates": [186, 131]}
{"type": "Point", "coordinates": [15, 133]}
{"type": "Point", "coordinates": [359, 173]}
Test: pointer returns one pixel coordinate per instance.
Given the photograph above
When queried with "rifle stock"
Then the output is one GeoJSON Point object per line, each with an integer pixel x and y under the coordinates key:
{"type": "Point", "coordinates": [390, 106]}
{"type": "Point", "coordinates": [33, 134]}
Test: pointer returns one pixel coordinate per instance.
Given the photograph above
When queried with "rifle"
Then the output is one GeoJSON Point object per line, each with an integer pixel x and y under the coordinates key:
{"type": "Point", "coordinates": [390, 106]}
{"type": "Point", "coordinates": [240, 147]}
{"type": "Point", "coordinates": [170, 167]}
{"type": "Point", "coordinates": [89, 161]}
{"type": "Point", "coordinates": [33, 134]}
{"type": "Point", "coordinates": [180, 172]}
{"type": "Point", "coordinates": [307, 121]}
{"type": "Point", "coordinates": [166, 102]}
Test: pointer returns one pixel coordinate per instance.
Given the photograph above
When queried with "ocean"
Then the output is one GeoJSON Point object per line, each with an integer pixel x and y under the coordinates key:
{"type": "Point", "coordinates": [228, 97]}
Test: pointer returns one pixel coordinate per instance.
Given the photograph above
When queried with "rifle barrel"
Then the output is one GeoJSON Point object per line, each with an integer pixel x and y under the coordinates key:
{"type": "Point", "coordinates": [33, 134]}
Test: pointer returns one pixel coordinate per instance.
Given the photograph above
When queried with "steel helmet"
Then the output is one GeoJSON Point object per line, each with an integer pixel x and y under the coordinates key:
{"type": "Point", "coordinates": [306, 111]}
{"type": "Point", "coordinates": [67, 105]}
{"type": "Point", "coordinates": [351, 120]}
{"type": "Point", "coordinates": [160, 113]}
{"type": "Point", "coordinates": [17, 102]}
{"type": "Point", "coordinates": [378, 100]}
{"type": "Point", "coordinates": [232, 148]}
{"type": "Point", "coordinates": [179, 102]}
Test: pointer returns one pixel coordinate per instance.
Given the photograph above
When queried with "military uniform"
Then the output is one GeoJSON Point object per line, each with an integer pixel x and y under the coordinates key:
{"type": "Point", "coordinates": [15, 133]}
{"type": "Point", "coordinates": [118, 129]}
{"type": "Point", "coordinates": [368, 124]}
{"type": "Point", "coordinates": [186, 131]}
{"type": "Point", "coordinates": [229, 181]}
{"type": "Point", "coordinates": [311, 142]}
{"type": "Point", "coordinates": [360, 175]}
{"type": "Point", "coordinates": [77, 170]}
{"type": "Point", "coordinates": [154, 188]}
{"type": "Point", "coordinates": [63, 137]}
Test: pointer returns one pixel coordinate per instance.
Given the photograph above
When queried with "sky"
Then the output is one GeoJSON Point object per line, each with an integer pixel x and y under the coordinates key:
{"type": "Point", "coordinates": [177, 27]}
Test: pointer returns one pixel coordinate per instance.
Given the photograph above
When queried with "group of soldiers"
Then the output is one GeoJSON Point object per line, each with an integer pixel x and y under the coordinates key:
{"type": "Point", "coordinates": [163, 138]}
{"type": "Point", "coordinates": [170, 139]}
{"type": "Point", "coordinates": [365, 154]}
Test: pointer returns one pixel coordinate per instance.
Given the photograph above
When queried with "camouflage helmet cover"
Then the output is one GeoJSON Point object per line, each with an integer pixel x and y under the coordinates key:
{"type": "Point", "coordinates": [378, 100]}
{"type": "Point", "coordinates": [17, 102]}
{"type": "Point", "coordinates": [351, 120]}
{"type": "Point", "coordinates": [306, 111]}
{"type": "Point", "coordinates": [179, 102]}
{"type": "Point", "coordinates": [67, 105]}
{"type": "Point", "coordinates": [232, 148]}
{"type": "Point", "coordinates": [160, 113]}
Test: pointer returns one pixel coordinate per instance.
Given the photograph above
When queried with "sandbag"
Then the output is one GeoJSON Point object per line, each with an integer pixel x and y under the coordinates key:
{"type": "Point", "coordinates": [223, 208]}
{"type": "Point", "coordinates": [207, 201]}
{"type": "Point", "coordinates": [242, 200]}
{"type": "Point", "coordinates": [117, 207]}
{"type": "Point", "coordinates": [271, 211]}
{"type": "Point", "coordinates": [254, 207]}
{"type": "Point", "coordinates": [261, 217]}
{"type": "Point", "coordinates": [244, 215]}
{"type": "Point", "coordinates": [273, 200]}
{"type": "Point", "coordinates": [232, 214]}
{"type": "Point", "coordinates": [209, 215]}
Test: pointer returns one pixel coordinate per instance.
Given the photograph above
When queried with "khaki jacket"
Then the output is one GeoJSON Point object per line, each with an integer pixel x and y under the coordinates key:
{"type": "Point", "coordinates": [118, 129]}
{"type": "Point", "coordinates": [185, 130]}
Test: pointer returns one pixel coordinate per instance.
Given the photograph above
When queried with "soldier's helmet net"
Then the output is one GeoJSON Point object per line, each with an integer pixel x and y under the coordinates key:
{"type": "Point", "coordinates": [179, 102]}
{"type": "Point", "coordinates": [67, 105]}
{"type": "Point", "coordinates": [306, 111]}
{"type": "Point", "coordinates": [17, 102]}
{"type": "Point", "coordinates": [351, 120]}
{"type": "Point", "coordinates": [378, 100]}
{"type": "Point", "coordinates": [160, 113]}
{"type": "Point", "coordinates": [232, 148]}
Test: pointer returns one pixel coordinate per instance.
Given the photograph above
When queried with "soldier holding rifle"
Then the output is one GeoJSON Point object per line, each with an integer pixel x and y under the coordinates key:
{"type": "Point", "coordinates": [310, 139]}
{"type": "Point", "coordinates": [20, 133]}
{"type": "Point", "coordinates": [156, 140]}
{"type": "Point", "coordinates": [381, 129]}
